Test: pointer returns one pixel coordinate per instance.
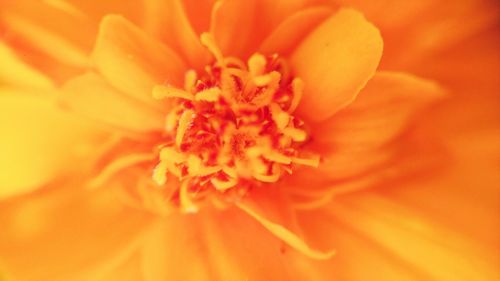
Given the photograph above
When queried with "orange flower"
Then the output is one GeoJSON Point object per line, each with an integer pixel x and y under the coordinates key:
{"type": "Point", "coordinates": [247, 140]}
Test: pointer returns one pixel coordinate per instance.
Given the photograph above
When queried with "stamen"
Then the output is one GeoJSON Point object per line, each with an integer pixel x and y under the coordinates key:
{"type": "Point", "coordinates": [161, 92]}
{"type": "Point", "coordinates": [295, 134]}
{"type": "Point", "coordinates": [184, 122]}
{"type": "Point", "coordinates": [210, 95]}
{"type": "Point", "coordinates": [297, 90]}
{"type": "Point", "coordinates": [208, 41]}
{"type": "Point", "coordinates": [190, 80]}
{"type": "Point", "coordinates": [186, 203]}
{"type": "Point", "coordinates": [312, 162]}
{"type": "Point", "coordinates": [231, 128]}
{"type": "Point", "coordinates": [160, 174]}
{"type": "Point", "coordinates": [223, 185]}
{"type": "Point", "coordinates": [257, 64]}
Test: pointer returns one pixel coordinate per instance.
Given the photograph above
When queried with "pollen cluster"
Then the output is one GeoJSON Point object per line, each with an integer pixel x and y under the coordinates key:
{"type": "Point", "coordinates": [231, 126]}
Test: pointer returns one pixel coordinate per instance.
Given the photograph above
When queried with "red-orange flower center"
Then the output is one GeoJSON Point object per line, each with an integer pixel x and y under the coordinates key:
{"type": "Point", "coordinates": [231, 127]}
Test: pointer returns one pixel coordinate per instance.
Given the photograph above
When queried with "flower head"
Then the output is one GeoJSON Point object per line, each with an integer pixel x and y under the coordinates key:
{"type": "Point", "coordinates": [209, 127]}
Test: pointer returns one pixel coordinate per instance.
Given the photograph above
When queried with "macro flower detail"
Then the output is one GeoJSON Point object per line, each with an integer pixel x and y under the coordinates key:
{"type": "Point", "coordinates": [220, 140]}
{"type": "Point", "coordinates": [233, 126]}
{"type": "Point", "coordinates": [229, 127]}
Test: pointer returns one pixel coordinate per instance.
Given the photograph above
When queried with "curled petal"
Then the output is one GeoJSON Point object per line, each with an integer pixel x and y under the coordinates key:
{"type": "Point", "coordinates": [335, 61]}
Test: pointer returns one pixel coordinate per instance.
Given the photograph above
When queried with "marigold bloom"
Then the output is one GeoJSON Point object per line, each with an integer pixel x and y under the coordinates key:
{"type": "Point", "coordinates": [248, 140]}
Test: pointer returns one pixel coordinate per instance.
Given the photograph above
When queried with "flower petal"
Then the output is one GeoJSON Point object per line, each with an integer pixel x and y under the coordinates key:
{"type": "Point", "coordinates": [293, 29]}
{"type": "Point", "coordinates": [430, 247]}
{"type": "Point", "coordinates": [335, 61]}
{"type": "Point", "coordinates": [199, 12]}
{"type": "Point", "coordinates": [43, 32]}
{"type": "Point", "coordinates": [69, 233]}
{"type": "Point", "coordinates": [272, 14]}
{"type": "Point", "coordinates": [237, 19]}
{"type": "Point", "coordinates": [18, 73]}
{"type": "Point", "coordinates": [128, 270]}
{"type": "Point", "coordinates": [380, 111]}
{"type": "Point", "coordinates": [93, 97]}
{"type": "Point", "coordinates": [354, 143]}
{"type": "Point", "coordinates": [287, 236]}
{"type": "Point", "coordinates": [168, 21]}
{"type": "Point", "coordinates": [223, 245]}
{"type": "Point", "coordinates": [232, 25]}
{"type": "Point", "coordinates": [353, 251]}
{"type": "Point", "coordinates": [276, 216]}
{"type": "Point", "coordinates": [38, 143]}
{"type": "Point", "coordinates": [172, 250]}
{"type": "Point", "coordinates": [132, 61]}
{"type": "Point", "coordinates": [415, 29]}
{"type": "Point", "coordinates": [49, 30]}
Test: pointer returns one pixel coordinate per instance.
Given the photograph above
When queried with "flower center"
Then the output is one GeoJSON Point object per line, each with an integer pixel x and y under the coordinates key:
{"type": "Point", "coordinates": [231, 127]}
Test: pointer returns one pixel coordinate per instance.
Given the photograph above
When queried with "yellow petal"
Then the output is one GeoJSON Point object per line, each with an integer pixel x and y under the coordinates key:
{"type": "Point", "coordinates": [335, 61]}
{"type": "Point", "coordinates": [132, 61]}
{"type": "Point", "coordinates": [38, 143]}
{"type": "Point", "coordinates": [91, 96]}
{"type": "Point", "coordinates": [14, 71]}
{"type": "Point", "coordinates": [69, 233]}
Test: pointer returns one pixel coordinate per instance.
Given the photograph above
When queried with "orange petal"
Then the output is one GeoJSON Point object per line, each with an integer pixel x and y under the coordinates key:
{"type": "Point", "coordinates": [354, 250]}
{"type": "Point", "coordinates": [354, 142]}
{"type": "Point", "coordinates": [433, 249]}
{"type": "Point", "coordinates": [232, 26]}
{"type": "Point", "coordinates": [478, 52]}
{"type": "Point", "coordinates": [273, 211]}
{"type": "Point", "coordinates": [173, 250]}
{"type": "Point", "coordinates": [69, 234]}
{"type": "Point", "coordinates": [50, 29]}
{"type": "Point", "coordinates": [414, 29]}
{"type": "Point", "coordinates": [287, 236]}
{"type": "Point", "coordinates": [43, 32]}
{"type": "Point", "coordinates": [132, 61]}
{"type": "Point", "coordinates": [168, 21]}
{"type": "Point", "coordinates": [127, 269]}
{"type": "Point", "coordinates": [335, 61]}
{"type": "Point", "coordinates": [293, 29]}
{"type": "Point", "coordinates": [458, 198]}
{"type": "Point", "coordinates": [93, 97]}
{"type": "Point", "coordinates": [272, 14]}
{"type": "Point", "coordinates": [380, 111]}
{"type": "Point", "coordinates": [39, 141]}
{"type": "Point", "coordinates": [222, 245]}
{"type": "Point", "coordinates": [199, 12]}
